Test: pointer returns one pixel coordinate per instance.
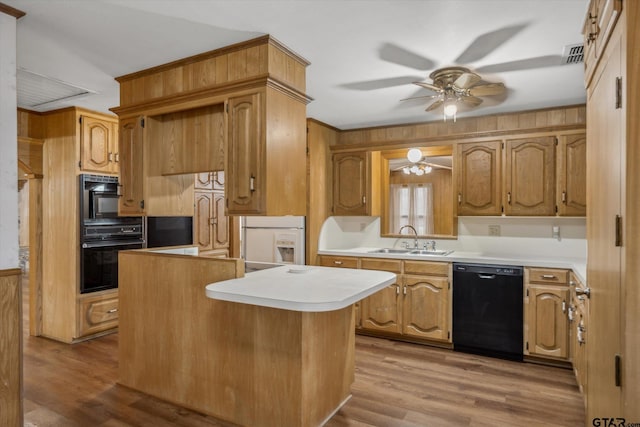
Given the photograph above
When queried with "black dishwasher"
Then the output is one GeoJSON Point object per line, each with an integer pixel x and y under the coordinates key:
{"type": "Point", "coordinates": [488, 310]}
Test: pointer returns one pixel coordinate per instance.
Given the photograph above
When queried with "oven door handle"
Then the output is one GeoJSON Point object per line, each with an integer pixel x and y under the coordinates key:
{"type": "Point", "coordinates": [110, 244]}
{"type": "Point", "coordinates": [487, 276]}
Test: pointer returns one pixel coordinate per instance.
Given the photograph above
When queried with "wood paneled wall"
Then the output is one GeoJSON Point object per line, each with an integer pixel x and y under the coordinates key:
{"type": "Point", "coordinates": [10, 348]}
{"type": "Point", "coordinates": [320, 137]}
{"type": "Point", "coordinates": [261, 57]}
{"type": "Point", "coordinates": [499, 124]}
{"type": "Point", "coordinates": [30, 124]}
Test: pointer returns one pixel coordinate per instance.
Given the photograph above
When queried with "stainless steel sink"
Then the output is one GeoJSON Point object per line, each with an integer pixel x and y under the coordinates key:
{"type": "Point", "coordinates": [427, 252]}
{"type": "Point", "coordinates": [389, 251]}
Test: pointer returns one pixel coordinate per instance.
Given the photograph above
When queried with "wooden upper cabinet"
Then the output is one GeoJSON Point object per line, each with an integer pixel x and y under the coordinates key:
{"type": "Point", "coordinates": [350, 184]}
{"type": "Point", "coordinates": [131, 201]}
{"type": "Point", "coordinates": [98, 145]}
{"type": "Point", "coordinates": [246, 181]}
{"type": "Point", "coordinates": [530, 176]}
{"type": "Point", "coordinates": [571, 188]}
{"type": "Point", "coordinates": [599, 23]}
{"type": "Point", "coordinates": [479, 178]}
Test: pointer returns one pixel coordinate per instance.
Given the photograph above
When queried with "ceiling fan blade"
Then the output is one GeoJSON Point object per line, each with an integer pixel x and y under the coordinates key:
{"type": "Point", "coordinates": [487, 89]}
{"type": "Point", "coordinates": [393, 53]}
{"type": "Point", "coordinates": [429, 86]}
{"type": "Point", "coordinates": [380, 83]}
{"type": "Point", "coordinates": [435, 105]}
{"type": "Point", "coordinates": [466, 80]}
{"type": "Point", "coordinates": [421, 97]}
{"type": "Point", "coordinates": [471, 101]}
{"type": "Point", "coordinates": [487, 43]}
{"type": "Point", "coordinates": [523, 64]}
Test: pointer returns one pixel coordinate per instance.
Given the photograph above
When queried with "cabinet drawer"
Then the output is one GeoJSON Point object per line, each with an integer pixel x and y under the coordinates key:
{"type": "Point", "coordinates": [98, 314]}
{"type": "Point", "coordinates": [391, 265]}
{"type": "Point", "coordinates": [337, 261]}
{"type": "Point", "coordinates": [427, 267]}
{"type": "Point", "coordinates": [548, 275]}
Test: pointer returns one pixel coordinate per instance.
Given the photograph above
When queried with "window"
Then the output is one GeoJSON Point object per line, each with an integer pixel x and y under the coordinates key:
{"type": "Point", "coordinates": [412, 204]}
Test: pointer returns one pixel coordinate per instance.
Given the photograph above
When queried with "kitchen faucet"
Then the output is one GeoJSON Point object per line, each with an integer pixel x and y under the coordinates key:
{"type": "Point", "coordinates": [414, 232]}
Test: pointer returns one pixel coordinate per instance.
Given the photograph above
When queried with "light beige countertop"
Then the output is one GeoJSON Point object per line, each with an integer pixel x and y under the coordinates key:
{"type": "Point", "coordinates": [579, 266]}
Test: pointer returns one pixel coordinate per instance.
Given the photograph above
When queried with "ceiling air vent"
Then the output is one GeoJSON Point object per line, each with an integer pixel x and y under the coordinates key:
{"type": "Point", "coordinates": [573, 54]}
{"type": "Point", "coordinates": [39, 93]}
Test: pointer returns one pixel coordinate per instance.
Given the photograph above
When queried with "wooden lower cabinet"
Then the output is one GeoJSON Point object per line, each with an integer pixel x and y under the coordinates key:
{"type": "Point", "coordinates": [425, 307]}
{"type": "Point", "coordinates": [344, 262]}
{"type": "Point", "coordinates": [98, 313]}
{"type": "Point", "coordinates": [579, 325]}
{"type": "Point", "coordinates": [382, 310]}
{"type": "Point", "coordinates": [546, 306]}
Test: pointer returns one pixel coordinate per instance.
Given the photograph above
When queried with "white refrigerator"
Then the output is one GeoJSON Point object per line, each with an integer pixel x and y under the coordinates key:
{"type": "Point", "coordinates": [278, 239]}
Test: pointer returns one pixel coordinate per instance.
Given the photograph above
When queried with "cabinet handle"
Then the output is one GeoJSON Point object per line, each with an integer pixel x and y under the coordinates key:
{"type": "Point", "coordinates": [337, 262]}
{"type": "Point", "coordinates": [564, 306]}
{"type": "Point", "coordinates": [398, 290]}
{"type": "Point", "coordinates": [119, 190]}
{"type": "Point", "coordinates": [117, 156]}
{"type": "Point", "coordinates": [212, 221]}
{"type": "Point", "coordinates": [113, 310]}
{"type": "Point", "coordinates": [110, 156]}
{"type": "Point", "coordinates": [364, 200]}
{"type": "Point", "coordinates": [509, 197]}
{"type": "Point", "coordinates": [564, 197]}
{"type": "Point", "coordinates": [586, 292]}
{"type": "Point", "coordinates": [459, 198]}
{"type": "Point", "coordinates": [404, 290]}
{"type": "Point", "coordinates": [252, 183]}
{"type": "Point", "coordinates": [549, 276]}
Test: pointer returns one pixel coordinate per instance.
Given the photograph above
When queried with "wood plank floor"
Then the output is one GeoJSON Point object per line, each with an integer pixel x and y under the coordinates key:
{"type": "Point", "coordinates": [396, 384]}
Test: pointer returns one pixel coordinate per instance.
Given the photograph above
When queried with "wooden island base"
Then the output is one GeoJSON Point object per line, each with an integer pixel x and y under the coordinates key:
{"type": "Point", "coordinates": [252, 365]}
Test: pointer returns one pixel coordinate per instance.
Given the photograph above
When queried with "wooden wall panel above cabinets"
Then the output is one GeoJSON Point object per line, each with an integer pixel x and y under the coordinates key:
{"type": "Point", "coordinates": [192, 140]}
{"type": "Point", "coordinates": [240, 109]}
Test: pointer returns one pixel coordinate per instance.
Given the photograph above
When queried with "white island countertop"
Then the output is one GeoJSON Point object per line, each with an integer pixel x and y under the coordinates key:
{"type": "Point", "coordinates": [302, 287]}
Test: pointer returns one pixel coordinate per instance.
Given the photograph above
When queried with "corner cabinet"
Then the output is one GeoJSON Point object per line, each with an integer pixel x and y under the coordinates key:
{"type": "Point", "coordinates": [546, 313]}
{"type": "Point", "coordinates": [246, 183]}
{"type": "Point", "coordinates": [479, 178]}
{"type": "Point", "coordinates": [571, 178]}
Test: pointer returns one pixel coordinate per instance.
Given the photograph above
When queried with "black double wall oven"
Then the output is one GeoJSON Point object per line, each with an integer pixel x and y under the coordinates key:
{"type": "Point", "coordinates": [103, 233]}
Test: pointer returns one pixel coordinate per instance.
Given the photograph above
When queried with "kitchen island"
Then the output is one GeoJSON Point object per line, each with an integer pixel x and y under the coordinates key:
{"type": "Point", "coordinates": [273, 348]}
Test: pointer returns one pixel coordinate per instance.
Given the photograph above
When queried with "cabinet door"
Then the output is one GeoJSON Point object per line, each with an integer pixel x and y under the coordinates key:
{"type": "Point", "coordinates": [479, 184]}
{"type": "Point", "coordinates": [220, 230]}
{"type": "Point", "coordinates": [530, 176]}
{"type": "Point", "coordinates": [131, 201]}
{"type": "Point", "coordinates": [203, 181]}
{"type": "Point", "coordinates": [547, 322]}
{"type": "Point", "coordinates": [218, 180]}
{"type": "Point", "coordinates": [350, 184]}
{"type": "Point", "coordinates": [425, 308]}
{"type": "Point", "coordinates": [381, 311]}
{"type": "Point", "coordinates": [571, 188]}
{"type": "Point", "coordinates": [245, 154]}
{"type": "Point", "coordinates": [203, 220]}
{"type": "Point", "coordinates": [97, 141]}
{"type": "Point", "coordinates": [97, 313]}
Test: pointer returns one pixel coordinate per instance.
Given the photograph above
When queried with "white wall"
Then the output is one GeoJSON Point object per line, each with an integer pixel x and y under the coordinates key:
{"type": "Point", "coordinates": [518, 236]}
{"type": "Point", "coordinates": [8, 145]}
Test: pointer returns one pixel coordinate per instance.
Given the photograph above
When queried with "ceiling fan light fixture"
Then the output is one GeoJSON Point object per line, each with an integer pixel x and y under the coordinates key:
{"type": "Point", "coordinates": [450, 109]}
{"type": "Point", "coordinates": [414, 155]}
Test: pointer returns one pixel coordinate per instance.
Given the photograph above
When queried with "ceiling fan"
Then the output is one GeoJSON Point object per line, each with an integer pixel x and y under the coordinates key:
{"type": "Point", "coordinates": [455, 85]}
{"type": "Point", "coordinates": [457, 82]}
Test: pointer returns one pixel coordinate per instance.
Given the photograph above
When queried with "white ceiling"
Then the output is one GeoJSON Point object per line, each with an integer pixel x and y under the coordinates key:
{"type": "Point", "coordinates": [351, 44]}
